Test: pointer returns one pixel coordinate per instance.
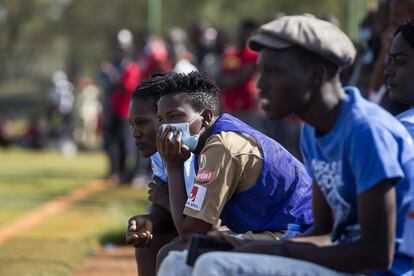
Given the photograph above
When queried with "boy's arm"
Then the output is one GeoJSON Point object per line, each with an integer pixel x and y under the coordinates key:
{"type": "Point", "coordinates": [186, 226]}
{"type": "Point", "coordinates": [158, 193]}
{"type": "Point", "coordinates": [142, 227]}
{"type": "Point", "coordinates": [174, 155]}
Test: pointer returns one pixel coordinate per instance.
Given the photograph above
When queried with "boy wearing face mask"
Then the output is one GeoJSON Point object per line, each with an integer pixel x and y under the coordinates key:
{"type": "Point", "coordinates": [244, 178]}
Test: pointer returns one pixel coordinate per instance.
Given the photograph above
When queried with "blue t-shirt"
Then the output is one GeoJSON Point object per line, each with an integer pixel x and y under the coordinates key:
{"type": "Point", "coordinates": [407, 246]}
{"type": "Point", "coordinates": [366, 146]}
{"type": "Point", "coordinates": [407, 119]}
{"type": "Point", "coordinates": [159, 170]}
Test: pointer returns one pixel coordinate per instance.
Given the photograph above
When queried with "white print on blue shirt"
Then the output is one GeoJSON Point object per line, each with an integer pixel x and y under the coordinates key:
{"type": "Point", "coordinates": [329, 177]}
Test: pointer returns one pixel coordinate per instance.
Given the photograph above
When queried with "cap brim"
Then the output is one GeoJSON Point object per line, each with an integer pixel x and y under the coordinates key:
{"type": "Point", "coordinates": [261, 40]}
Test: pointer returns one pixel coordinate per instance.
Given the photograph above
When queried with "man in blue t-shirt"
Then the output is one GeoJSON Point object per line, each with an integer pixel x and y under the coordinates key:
{"type": "Point", "coordinates": [149, 232]}
{"type": "Point", "coordinates": [361, 160]}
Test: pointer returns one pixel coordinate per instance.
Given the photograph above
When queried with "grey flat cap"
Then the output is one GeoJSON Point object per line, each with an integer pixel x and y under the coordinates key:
{"type": "Point", "coordinates": [308, 32]}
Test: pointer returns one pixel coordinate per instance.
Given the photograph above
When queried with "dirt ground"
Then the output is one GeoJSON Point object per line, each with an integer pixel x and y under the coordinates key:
{"type": "Point", "coordinates": [109, 262]}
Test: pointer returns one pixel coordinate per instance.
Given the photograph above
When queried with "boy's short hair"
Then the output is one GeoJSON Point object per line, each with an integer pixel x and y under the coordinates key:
{"type": "Point", "coordinates": [407, 32]}
{"type": "Point", "coordinates": [199, 90]}
{"type": "Point", "coordinates": [149, 90]}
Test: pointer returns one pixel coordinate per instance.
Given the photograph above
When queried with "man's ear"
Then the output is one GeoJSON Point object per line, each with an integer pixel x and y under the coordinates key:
{"type": "Point", "coordinates": [317, 76]}
{"type": "Point", "coordinates": [207, 116]}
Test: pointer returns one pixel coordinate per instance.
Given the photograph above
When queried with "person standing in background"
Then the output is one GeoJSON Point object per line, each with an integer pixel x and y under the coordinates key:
{"type": "Point", "coordinates": [237, 77]}
{"type": "Point", "coordinates": [119, 77]}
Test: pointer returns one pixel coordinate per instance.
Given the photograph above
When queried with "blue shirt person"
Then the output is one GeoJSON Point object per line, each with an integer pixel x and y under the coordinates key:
{"type": "Point", "coordinates": [399, 74]}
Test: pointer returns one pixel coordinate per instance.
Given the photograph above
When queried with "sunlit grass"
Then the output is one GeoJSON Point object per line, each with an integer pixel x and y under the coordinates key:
{"type": "Point", "coordinates": [28, 179]}
{"type": "Point", "coordinates": [56, 245]}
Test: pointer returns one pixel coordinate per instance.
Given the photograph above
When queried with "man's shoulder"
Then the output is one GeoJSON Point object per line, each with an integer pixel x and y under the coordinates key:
{"type": "Point", "coordinates": [234, 142]}
{"type": "Point", "coordinates": [407, 119]}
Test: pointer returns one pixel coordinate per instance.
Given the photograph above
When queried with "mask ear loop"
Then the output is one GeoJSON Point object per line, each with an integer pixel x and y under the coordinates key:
{"type": "Point", "coordinates": [189, 124]}
{"type": "Point", "coordinates": [198, 115]}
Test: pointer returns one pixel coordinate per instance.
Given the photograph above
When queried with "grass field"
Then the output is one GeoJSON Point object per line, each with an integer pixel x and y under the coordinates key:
{"type": "Point", "coordinates": [55, 246]}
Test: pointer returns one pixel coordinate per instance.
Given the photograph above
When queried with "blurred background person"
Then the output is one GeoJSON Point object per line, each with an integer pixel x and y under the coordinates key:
{"type": "Point", "coordinates": [6, 132]}
{"type": "Point", "coordinates": [119, 77]}
{"type": "Point", "coordinates": [32, 136]}
{"type": "Point", "coordinates": [399, 11]}
{"type": "Point", "coordinates": [60, 113]}
{"type": "Point", "coordinates": [180, 56]}
{"type": "Point", "coordinates": [237, 76]}
{"type": "Point", "coordinates": [154, 56]}
{"type": "Point", "coordinates": [88, 111]}
{"type": "Point", "coordinates": [212, 61]}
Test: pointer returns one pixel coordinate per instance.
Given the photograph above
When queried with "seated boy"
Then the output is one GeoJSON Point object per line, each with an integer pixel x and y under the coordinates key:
{"type": "Point", "coordinates": [244, 178]}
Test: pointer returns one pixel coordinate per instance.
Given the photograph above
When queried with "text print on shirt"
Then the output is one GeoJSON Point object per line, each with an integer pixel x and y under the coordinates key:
{"type": "Point", "coordinates": [196, 197]}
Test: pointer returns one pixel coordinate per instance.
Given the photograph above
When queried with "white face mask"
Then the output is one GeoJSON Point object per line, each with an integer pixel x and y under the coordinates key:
{"type": "Point", "coordinates": [190, 141]}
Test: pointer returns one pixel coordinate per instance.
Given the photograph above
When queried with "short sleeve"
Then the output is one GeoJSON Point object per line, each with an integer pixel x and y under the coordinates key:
{"type": "Point", "coordinates": [407, 245]}
{"type": "Point", "coordinates": [373, 156]}
{"type": "Point", "coordinates": [216, 180]}
{"type": "Point", "coordinates": [409, 126]}
{"type": "Point", "coordinates": [305, 143]}
{"type": "Point", "coordinates": [189, 173]}
{"type": "Point", "coordinates": [158, 168]}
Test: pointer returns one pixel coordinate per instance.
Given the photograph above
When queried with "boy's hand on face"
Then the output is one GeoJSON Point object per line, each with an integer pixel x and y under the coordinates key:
{"type": "Point", "coordinates": [139, 232]}
{"type": "Point", "coordinates": [171, 149]}
{"type": "Point", "coordinates": [158, 193]}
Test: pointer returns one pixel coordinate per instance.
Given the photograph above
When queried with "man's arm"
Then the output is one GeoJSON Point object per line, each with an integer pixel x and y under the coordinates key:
{"type": "Point", "coordinates": [158, 193]}
{"type": "Point", "coordinates": [323, 220]}
{"type": "Point", "coordinates": [374, 250]}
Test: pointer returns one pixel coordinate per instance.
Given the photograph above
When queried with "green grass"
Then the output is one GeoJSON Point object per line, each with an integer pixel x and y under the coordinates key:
{"type": "Point", "coordinates": [55, 246]}
{"type": "Point", "coordinates": [28, 179]}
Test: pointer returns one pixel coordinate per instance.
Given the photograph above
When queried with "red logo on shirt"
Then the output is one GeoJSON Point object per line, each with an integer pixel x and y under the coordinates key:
{"type": "Point", "coordinates": [193, 193]}
{"type": "Point", "coordinates": [205, 176]}
{"type": "Point", "coordinates": [410, 214]}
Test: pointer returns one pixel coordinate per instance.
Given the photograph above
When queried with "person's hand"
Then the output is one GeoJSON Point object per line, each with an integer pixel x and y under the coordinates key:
{"type": "Point", "coordinates": [139, 232]}
{"type": "Point", "coordinates": [171, 149]}
{"type": "Point", "coordinates": [249, 246]}
{"type": "Point", "coordinates": [158, 193]}
{"type": "Point", "coordinates": [227, 236]}
{"type": "Point", "coordinates": [260, 247]}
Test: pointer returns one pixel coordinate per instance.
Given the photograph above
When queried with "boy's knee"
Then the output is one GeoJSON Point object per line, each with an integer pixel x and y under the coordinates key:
{"type": "Point", "coordinates": [207, 260]}
{"type": "Point", "coordinates": [174, 264]}
{"type": "Point", "coordinates": [166, 249]}
{"type": "Point", "coordinates": [162, 254]}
